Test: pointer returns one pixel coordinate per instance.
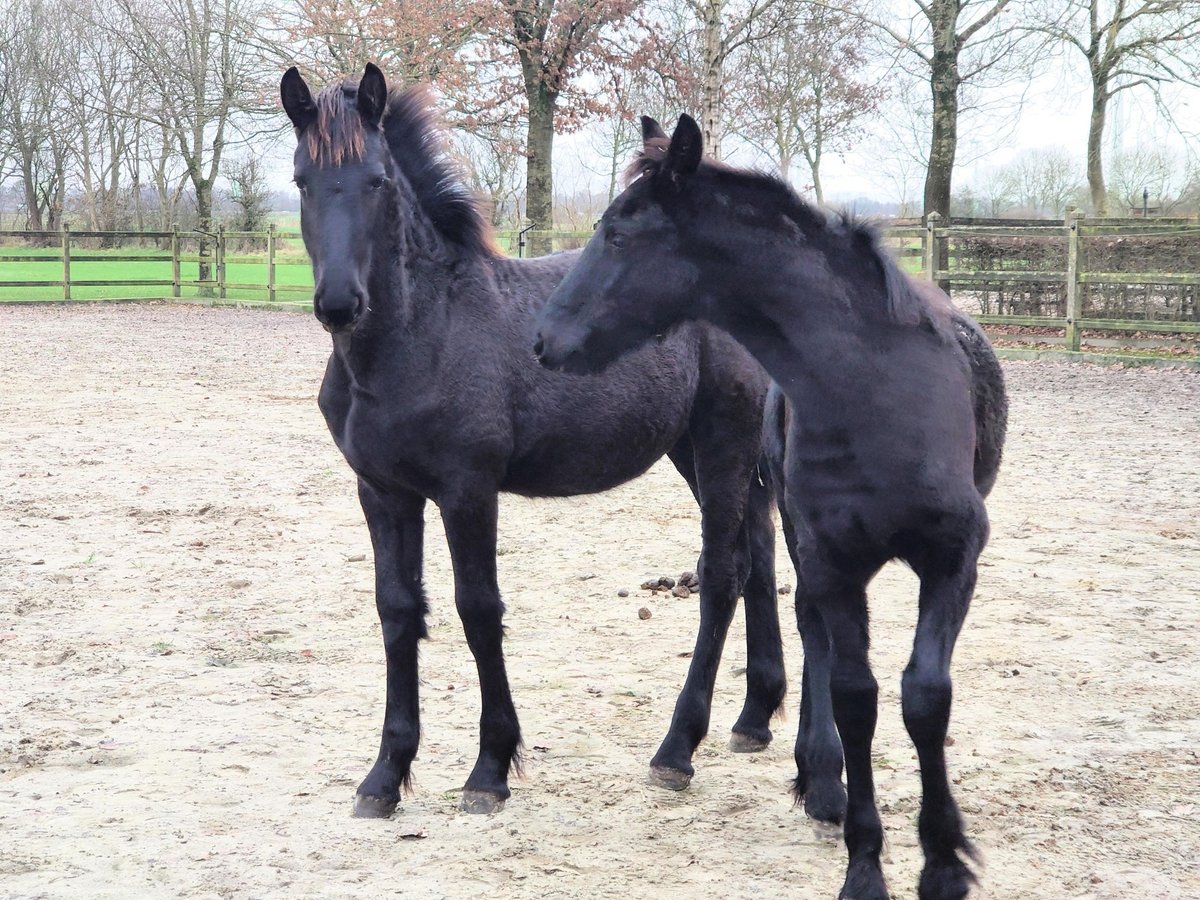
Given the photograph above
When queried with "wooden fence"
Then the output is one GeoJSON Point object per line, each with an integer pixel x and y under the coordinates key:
{"type": "Point", "coordinates": [1076, 274]}
{"type": "Point", "coordinates": [1031, 273]}
{"type": "Point", "coordinates": [212, 258]}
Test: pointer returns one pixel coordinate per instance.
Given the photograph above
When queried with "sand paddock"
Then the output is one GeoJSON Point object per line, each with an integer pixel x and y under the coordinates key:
{"type": "Point", "coordinates": [191, 676]}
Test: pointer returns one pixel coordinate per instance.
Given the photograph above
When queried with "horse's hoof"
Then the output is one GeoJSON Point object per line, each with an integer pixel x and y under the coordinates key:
{"type": "Point", "coordinates": [864, 881]}
{"type": "Point", "coordinates": [671, 779]}
{"type": "Point", "coordinates": [373, 807]}
{"type": "Point", "coordinates": [825, 801]}
{"type": "Point", "coordinates": [748, 743]}
{"type": "Point", "coordinates": [481, 802]}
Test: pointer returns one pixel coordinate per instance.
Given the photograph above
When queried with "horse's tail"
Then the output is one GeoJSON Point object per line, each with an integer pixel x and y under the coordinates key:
{"type": "Point", "coordinates": [991, 401]}
{"type": "Point", "coordinates": [771, 463]}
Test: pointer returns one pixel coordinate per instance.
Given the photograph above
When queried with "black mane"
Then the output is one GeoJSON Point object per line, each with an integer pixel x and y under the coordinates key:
{"type": "Point", "coordinates": [837, 233]}
{"type": "Point", "coordinates": [418, 145]}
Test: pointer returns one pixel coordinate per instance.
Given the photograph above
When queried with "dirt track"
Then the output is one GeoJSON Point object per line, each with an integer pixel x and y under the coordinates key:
{"type": "Point", "coordinates": [191, 676]}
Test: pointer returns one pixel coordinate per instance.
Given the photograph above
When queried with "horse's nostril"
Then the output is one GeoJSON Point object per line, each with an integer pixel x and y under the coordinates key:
{"type": "Point", "coordinates": [538, 347]}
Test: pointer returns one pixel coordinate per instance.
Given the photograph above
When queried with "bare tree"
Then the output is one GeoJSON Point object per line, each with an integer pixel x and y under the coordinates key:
{"type": "Point", "coordinates": [38, 128]}
{"type": "Point", "coordinates": [200, 70]}
{"type": "Point", "coordinates": [1157, 174]}
{"type": "Point", "coordinates": [808, 92]}
{"type": "Point", "coordinates": [249, 191]}
{"type": "Point", "coordinates": [107, 88]}
{"type": "Point", "coordinates": [1129, 45]}
{"type": "Point", "coordinates": [154, 148]}
{"type": "Point", "coordinates": [554, 42]}
{"type": "Point", "coordinates": [1045, 181]}
{"type": "Point", "coordinates": [727, 26]}
{"type": "Point", "coordinates": [411, 40]}
{"type": "Point", "coordinates": [996, 191]}
{"type": "Point", "coordinates": [491, 155]}
{"type": "Point", "coordinates": [951, 44]}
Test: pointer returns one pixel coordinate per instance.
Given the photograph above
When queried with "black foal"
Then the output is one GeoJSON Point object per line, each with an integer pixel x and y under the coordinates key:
{"type": "Point", "coordinates": [895, 422]}
{"type": "Point", "coordinates": [431, 394]}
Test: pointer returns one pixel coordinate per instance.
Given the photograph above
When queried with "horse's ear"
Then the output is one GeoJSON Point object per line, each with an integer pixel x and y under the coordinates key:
{"type": "Point", "coordinates": [297, 99]}
{"type": "Point", "coordinates": [687, 146]}
{"type": "Point", "coordinates": [372, 95]}
{"type": "Point", "coordinates": [651, 130]}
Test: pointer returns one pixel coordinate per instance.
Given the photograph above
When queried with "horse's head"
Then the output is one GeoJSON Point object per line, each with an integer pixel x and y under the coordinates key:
{"type": "Point", "coordinates": [633, 280]}
{"type": "Point", "coordinates": [344, 173]}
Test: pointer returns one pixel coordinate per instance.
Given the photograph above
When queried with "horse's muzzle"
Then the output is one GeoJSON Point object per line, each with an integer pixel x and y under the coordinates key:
{"type": "Point", "coordinates": [560, 356]}
{"type": "Point", "coordinates": [340, 314]}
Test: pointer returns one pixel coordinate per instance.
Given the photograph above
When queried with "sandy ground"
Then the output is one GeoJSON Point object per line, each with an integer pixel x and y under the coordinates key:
{"type": "Point", "coordinates": [191, 677]}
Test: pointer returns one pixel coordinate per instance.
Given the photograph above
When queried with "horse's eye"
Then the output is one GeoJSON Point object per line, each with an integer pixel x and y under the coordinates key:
{"type": "Point", "coordinates": [377, 182]}
{"type": "Point", "coordinates": [301, 186]}
{"type": "Point", "coordinates": [616, 241]}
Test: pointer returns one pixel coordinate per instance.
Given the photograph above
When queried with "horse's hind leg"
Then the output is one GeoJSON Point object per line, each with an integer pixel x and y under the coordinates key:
{"type": "Point", "coordinates": [470, 521]}
{"type": "Point", "coordinates": [397, 528]}
{"type": "Point", "coordinates": [722, 505]}
{"type": "Point", "coordinates": [766, 679]}
{"type": "Point", "coordinates": [841, 601]}
{"type": "Point", "coordinates": [818, 750]}
{"type": "Point", "coordinates": [818, 747]}
{"type": "Point", "coordinates": [947, 576]}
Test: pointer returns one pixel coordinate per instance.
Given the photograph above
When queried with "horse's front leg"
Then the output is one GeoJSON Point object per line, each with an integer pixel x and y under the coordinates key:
{"type": "Point", "coordinates": [397, 525]}
{"type": "Point", "coordinates": [470, 520]}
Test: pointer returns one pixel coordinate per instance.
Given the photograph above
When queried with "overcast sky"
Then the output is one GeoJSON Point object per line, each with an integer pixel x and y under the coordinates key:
{"type": "Point", "coordinates": [1053, 112]}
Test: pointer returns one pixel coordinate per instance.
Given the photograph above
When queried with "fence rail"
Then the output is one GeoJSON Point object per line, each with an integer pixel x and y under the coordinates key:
{"type": "Point", "coordinates": [1028, 266]}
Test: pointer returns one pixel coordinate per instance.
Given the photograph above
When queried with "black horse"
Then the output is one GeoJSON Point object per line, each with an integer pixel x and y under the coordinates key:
{"type": "Point", "coordinates": [892, 434]}
{"type": "Point", "coordinates": [431, 393]}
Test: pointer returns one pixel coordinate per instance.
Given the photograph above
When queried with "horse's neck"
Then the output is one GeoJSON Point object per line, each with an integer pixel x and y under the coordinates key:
{"type": "Point", "coordinates": [781, 311]}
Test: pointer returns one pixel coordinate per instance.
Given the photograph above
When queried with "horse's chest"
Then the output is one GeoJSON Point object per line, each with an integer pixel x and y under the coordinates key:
{"type": "Point", "coordinates": [383, 447]}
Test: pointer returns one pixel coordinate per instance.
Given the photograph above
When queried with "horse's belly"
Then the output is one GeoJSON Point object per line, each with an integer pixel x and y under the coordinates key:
{"type": "Point", "coordinates": [584, 434]}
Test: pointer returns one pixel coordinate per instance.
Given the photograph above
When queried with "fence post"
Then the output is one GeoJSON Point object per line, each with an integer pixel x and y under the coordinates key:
{"type": "Point", "coordinates": [221, 261]}
{"type": "Point", "coordinates": [271, 263]}
{"type": "Point", "coordinates": [1073, 293]}
{"type": "Point", "coordinates": [66, 258]}
{"type": "Point", "coordinates": [176, 280]}
{"type": "Point", "coordinates": [930, 244]}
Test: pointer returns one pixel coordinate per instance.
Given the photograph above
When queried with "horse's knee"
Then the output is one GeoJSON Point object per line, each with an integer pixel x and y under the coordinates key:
{"type": "Point", "coordinates": [855, 696]}
{"type": "Point", "coordinates": [403, 619]}
{"type": "Point", "coordinates": [925, 701]}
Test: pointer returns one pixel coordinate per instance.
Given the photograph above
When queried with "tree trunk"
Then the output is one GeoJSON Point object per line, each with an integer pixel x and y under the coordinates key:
{"type": "Point", "coordinates": [33, 203]}
{"type": "Point", "coordinates": [614, 162]}
{"type": "Point", "coordinates": [816, 174]}
{"type": "Point", "coordinates": [539, 179]}
{"type": "Point", "coordinates": [1095, 147]}
{"type": "Point", "coordinates": [943, 83]}
{"type": "Point", "coordinates": [711, 101]}
{"type": "Point", "coordinates": [204, 226]}
{"type": "Point", "coordinates": [139, 216]}
{"type": "Point", "coordinates": [56, 201]}
{"type": "Point", "coordinates": [944, 143]}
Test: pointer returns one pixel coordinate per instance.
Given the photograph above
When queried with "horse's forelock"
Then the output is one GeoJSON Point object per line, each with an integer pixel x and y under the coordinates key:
{"type": "Point", "coordinates": [648, 160]}
{"type": "Point", "coordinates": [337, 135]}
